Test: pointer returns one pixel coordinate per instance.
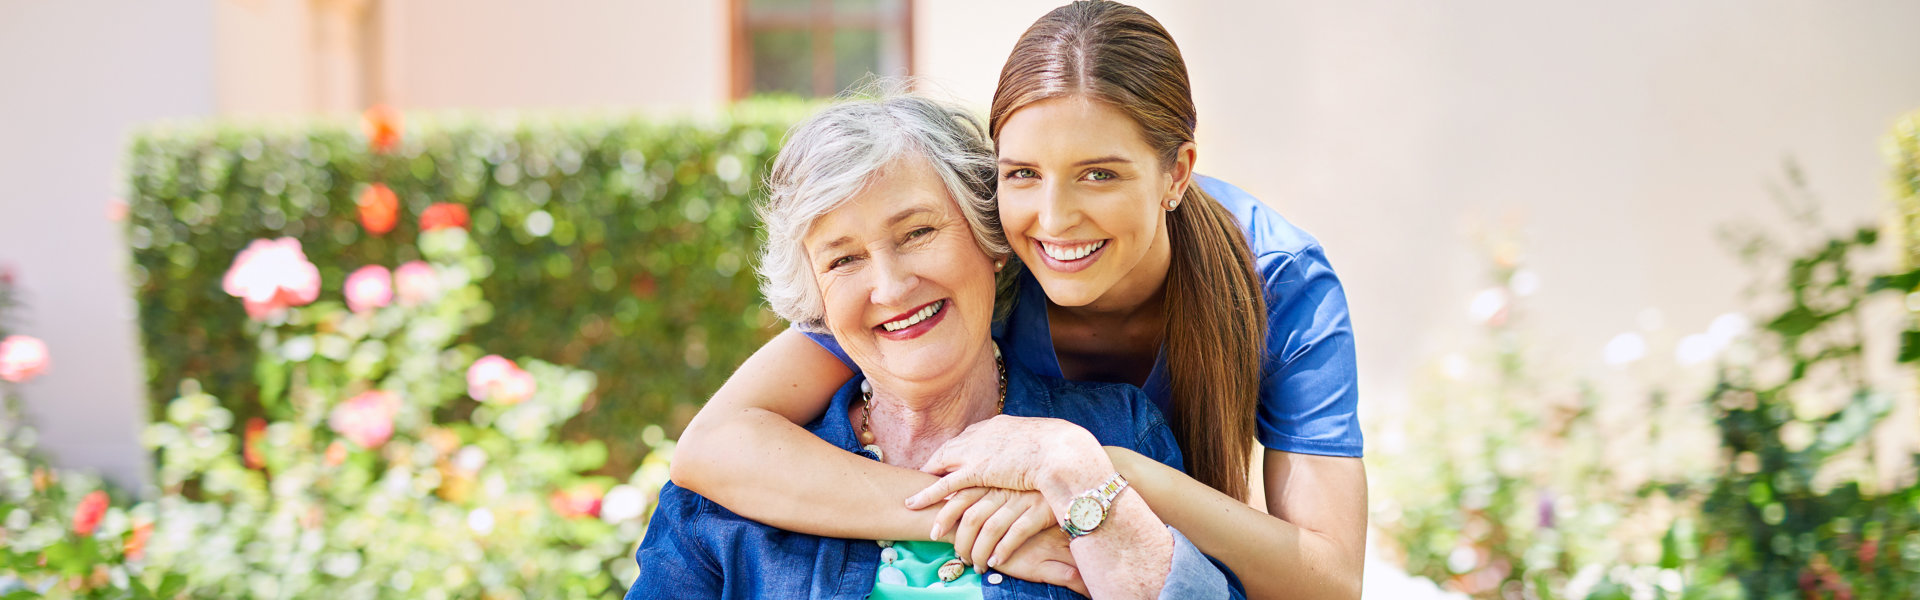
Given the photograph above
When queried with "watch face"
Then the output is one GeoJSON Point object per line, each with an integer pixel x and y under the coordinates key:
{"type": "Point", "coordinates": [1085, 514]}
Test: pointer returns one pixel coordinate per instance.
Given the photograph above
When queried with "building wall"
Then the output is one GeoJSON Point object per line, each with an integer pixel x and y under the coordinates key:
{"type": "Point", "coordinates": [1614, 139]}
{"type": "Point", "coordinates": [79, 75]}
{"type": "Point", "coordinates": [495, 54]}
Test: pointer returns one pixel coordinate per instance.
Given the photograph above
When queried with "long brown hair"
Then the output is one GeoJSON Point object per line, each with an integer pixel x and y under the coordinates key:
{"type": "Point", "coordinates": [1117, 54]}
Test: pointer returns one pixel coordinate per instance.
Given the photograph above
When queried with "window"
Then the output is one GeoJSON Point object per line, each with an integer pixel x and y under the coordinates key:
{"type": "Point", "coordinates": [818, 48]}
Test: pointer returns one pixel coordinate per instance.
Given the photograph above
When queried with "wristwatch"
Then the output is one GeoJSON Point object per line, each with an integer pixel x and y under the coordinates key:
{"type": "Point", "coordinates": [1089, 509]}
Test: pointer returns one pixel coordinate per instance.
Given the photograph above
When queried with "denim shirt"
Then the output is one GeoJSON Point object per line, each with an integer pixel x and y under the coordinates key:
{"type": "Point", "coordinates": [1309, 384]}
{"type": "Point", "coordinates": [694, 548]}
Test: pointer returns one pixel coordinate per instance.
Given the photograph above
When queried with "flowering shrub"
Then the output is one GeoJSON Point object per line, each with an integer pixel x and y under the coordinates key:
{"type": "Point", "coordinates": [61, 536]}
{"type": "Point", "coordinates": [380, 470]}
{"type": "Point", "coordinates": [385, 458]}
{"type": "Point", "coordinates": [618, 244]}
{"type": "Point", "coordinates": [1555, 492]}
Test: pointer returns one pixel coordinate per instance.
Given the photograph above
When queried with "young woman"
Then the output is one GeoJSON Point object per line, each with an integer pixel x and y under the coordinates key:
{"type": "Point", "coordinates": [1140, 272]}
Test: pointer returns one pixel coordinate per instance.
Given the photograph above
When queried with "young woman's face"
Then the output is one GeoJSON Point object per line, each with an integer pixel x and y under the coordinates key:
{"type": "Point", "coordinates": [908, 292]}
{"type": "Point", "coordinates": [1082, 200]}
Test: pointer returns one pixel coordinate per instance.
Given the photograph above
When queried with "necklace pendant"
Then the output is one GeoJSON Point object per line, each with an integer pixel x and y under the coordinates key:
{"type": "Point", "coordinates": [877, 454]}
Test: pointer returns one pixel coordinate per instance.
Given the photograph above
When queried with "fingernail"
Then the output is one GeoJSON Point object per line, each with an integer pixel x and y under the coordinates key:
{"type": "Point", "coordinates": [977, 570]}
{"type": "Point", "coordinates": [993, 562]}
{"type": "Point", "coordinates": [935, 536]}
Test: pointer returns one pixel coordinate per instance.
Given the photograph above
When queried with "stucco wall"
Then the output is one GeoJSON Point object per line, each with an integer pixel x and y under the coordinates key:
{"type": "Point", "coordinates": [78, 75]}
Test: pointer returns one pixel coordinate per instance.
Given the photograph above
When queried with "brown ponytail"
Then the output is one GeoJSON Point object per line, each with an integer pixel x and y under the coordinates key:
{"type": "Point", "coordinates": [1216, 309]}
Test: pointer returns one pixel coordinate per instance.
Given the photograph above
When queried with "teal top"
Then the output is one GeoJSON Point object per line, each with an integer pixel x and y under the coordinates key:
{"type": "Point", "coordinates": [911, 571]}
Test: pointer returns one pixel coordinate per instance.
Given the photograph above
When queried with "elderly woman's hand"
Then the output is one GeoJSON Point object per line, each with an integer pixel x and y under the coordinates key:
{"type": "Point", "coordinates": [1045, 559]}
{"type": "Point", "coordinates": [1015, 453]}
{"type": "Point", "coordinates": [989, 524]}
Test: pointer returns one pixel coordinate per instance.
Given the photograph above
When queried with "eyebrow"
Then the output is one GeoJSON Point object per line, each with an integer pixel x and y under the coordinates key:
{"type": "Point", "coordinates": [1091, 161]}
{"type": "Point", "coordinates": [891, 221]}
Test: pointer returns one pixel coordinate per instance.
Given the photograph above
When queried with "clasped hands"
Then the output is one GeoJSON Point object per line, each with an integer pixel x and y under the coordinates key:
{"type": "Point", "coordinates": [1001, 481]}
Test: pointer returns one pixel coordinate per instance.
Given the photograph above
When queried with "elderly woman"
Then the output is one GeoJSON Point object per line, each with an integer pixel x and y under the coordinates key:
{"type": "Point", "coordinates": [880, 231]}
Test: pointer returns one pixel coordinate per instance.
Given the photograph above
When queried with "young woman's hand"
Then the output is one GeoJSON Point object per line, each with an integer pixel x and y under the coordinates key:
{"type": "Point", "coordinates": [1051, 456]}
{"type": "Point", "coordinates": [989, 524]}
{"type": "Point", "coordinates": [1045, 559]}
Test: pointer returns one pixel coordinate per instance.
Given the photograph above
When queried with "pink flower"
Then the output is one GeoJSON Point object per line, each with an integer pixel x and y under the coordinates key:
{"type": "Point", "coordinates": [417, 283]}
{"type": "Point", "coordinates": [86, 516]}
{"type": "Point", "coordinates": [22, 358]}
{"type": "Point", "coordinates": [496, 379]}
{"type": "Point", "coordinates": [368, 288]}
{"type": "Point", "coordinates": [366, 419]}
{"type": "Point", "coordinates": [271, 275]}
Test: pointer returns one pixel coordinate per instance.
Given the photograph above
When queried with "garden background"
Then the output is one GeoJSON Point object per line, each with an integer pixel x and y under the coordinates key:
{"type": "Point", "coordinates": [1606, 343]}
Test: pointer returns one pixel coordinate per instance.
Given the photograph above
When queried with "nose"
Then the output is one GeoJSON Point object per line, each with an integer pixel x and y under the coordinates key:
{"type": "Point", "coordinates": [895, 279]}
{"type": "Point", "coordinates": [1059, 209]}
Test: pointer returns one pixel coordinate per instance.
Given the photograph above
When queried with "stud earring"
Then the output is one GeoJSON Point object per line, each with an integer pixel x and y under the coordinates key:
{"type": "Point", "coordinates": [1172, 204]}
{"type": "Point", "coordinates": [999, 264]}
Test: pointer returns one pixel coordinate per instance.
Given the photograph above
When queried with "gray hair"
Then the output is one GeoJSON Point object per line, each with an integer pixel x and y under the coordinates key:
{"type": "Point", "coordinates": [832, 155]}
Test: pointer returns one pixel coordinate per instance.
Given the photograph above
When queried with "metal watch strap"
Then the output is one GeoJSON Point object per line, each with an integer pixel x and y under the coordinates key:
{"type": "Point", "coordinates": [1103, 494]}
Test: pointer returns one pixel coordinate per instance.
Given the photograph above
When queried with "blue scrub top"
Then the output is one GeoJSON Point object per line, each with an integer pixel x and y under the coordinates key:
{"type": "Point", "coordinates": [1309, 388]}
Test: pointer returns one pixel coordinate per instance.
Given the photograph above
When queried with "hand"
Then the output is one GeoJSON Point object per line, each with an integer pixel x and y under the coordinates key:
{"type": "Point", "coordinates": [989, 524]}
{"type": "Point", "coordinates": [1015, 453]}
{"type": "Point", "coordinates": [1045, 559]}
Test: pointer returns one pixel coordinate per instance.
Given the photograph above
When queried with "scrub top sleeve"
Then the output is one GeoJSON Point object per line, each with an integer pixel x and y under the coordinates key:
{"type": "Point", "coordinates": [827, 342]}
{"type": "Point", "coordinates": [1309, 395]}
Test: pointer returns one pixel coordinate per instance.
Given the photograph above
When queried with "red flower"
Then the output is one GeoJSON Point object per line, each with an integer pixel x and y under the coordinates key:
{"type": "Point", "coordinates": [136, 545]}
{"type": "Point", "coordinates": [443, 215]}
{"type": "Point", "coordinates": [578, 501]}
{"type": "Point", "coordinates": [382, 126]}
{"type": "Point", "coordinates": [86, 516]}
{"type": "Point", "coordinates": [250, 450]}
{"type": "Point", "coordinates": [379, 209]}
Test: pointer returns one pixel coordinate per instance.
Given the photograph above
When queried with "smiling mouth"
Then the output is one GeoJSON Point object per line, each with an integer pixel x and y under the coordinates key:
{"type": "Point", "coordinates": [1071, 252]}
{"type": "Point", "coordinates": [915, 318]}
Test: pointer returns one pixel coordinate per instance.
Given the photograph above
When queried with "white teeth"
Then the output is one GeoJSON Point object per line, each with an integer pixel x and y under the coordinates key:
{"type": "Point", "coordinates": [1071, 252]}
{"type": "Point", "coordinates": [916, 318]}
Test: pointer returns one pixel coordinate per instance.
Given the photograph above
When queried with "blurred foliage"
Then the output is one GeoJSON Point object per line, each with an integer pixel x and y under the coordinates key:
{"type": "Point", "coordinates": [434, 493]}
{"type": "Point", "coordinates": [1554, 496]}
{"type": "Point", "coordinates": [1507, 476]}
{"type": "Point", "coordinates": [621, 245]}
{"type": "Point", "coordinates": [1796, 508]}
{"type": "Point", "coordinates": [62, 535]}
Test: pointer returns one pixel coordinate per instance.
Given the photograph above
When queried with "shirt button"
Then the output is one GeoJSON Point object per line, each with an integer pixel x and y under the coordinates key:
{"type": "Point", "coordinates": [994, 578]}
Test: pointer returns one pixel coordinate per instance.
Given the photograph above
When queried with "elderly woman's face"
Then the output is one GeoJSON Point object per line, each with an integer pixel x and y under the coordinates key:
{"type": "Point", "coordinates": [908, 293]}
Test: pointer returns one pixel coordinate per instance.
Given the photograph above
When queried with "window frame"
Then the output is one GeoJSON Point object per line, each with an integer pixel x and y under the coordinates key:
{"type": "Point", "coordinates": [821, 21]}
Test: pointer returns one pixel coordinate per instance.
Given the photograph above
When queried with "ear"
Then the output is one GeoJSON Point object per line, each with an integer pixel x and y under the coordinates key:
{"type": "Point", "coordinates": [1181, 175]}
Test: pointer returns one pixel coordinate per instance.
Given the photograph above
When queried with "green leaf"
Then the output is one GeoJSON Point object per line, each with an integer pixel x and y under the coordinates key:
{"type": "Point", "coordinates": [1797, 321]}
{"type": "Point", "coordinates": [172, 585]}
{"type": "Point", "coordinates": [1909, 346]}
{"type": "Point", "coordinates": [1898, 281]}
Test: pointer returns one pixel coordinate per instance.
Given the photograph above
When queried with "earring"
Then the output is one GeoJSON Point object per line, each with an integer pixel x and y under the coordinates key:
{"type": "Point", "coordinates": [999, 264]}
{"type": "Point", "coordinates": [1172, 204]}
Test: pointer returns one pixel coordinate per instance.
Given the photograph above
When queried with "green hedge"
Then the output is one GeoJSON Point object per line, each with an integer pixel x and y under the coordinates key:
{"type": "Point", "coordinates": [618, 244]}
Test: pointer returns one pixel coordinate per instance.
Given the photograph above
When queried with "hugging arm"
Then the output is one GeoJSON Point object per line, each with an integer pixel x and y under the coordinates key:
{"type": "Point", "coordinates": [1311, 546]}
{"type": "Point", "coordinates": [745, 452]}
